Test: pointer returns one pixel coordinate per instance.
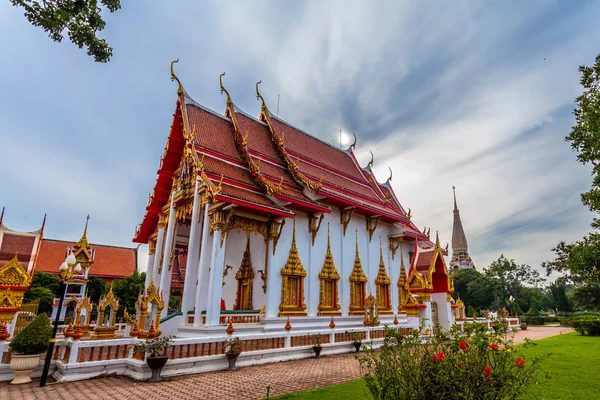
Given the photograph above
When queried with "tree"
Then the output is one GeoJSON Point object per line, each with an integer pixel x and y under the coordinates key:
{"type": "Point", "coordinates": [480, 292]}
{"type": "Point", "coordinates": [127, 290]}
{"type": "Point", "coordinates": [44, 295]}
{"type": "Point", "coordinates": [462, 277]}
{"type": "Point", "coordinates": [96, 287]}
{"type": "Point", "coordinates": [561, 300]}
{"type": "Point", "coordinates": [80, 18]}
{"type": "Point", "coordinates": [48, 281]}
{"type": "Point", "coordinates": [585, 134]}
{"type": "Point", "coordinates": [579, 264]}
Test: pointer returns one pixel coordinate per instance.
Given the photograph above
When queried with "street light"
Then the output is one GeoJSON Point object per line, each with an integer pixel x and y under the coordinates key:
{"type": "Point", "coordinates": [67, 270]}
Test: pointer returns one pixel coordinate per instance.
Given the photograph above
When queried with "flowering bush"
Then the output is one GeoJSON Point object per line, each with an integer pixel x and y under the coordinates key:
{"type": "Point", "coordinates": [473, 364]}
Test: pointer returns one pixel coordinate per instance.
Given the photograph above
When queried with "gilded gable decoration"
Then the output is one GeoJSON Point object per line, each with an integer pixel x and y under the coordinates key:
{"type": "Point", "coordinates": [292, 285]}
{"type": "Point", "coordinates": [372, 222]}
{"type": "Point", "coordinates": [358, 281]}
{"type": "Point", "coordinates": [346, 216]}
{"type": "Point", "coordinates": [313, 227]}
{"type": "Point", "coordinates": [13, 274]}
{"type": "Point", "coordinates": [329, 280]}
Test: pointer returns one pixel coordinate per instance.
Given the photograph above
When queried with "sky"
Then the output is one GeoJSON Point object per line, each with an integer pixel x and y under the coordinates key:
{"type": "Point", "coordinates": [474, 94]}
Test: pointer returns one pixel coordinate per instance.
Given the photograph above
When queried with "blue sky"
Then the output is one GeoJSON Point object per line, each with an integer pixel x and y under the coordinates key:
{"type": "Point", "coordinates": [472, 94]}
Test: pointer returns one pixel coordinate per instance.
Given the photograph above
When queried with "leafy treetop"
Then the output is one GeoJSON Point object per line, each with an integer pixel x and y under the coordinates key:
{"type": "Point", "coordinates": [81, 18]}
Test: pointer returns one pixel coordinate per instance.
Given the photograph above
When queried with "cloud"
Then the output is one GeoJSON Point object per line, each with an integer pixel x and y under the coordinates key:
{"type": "Point", "coordinates": [476, 95]}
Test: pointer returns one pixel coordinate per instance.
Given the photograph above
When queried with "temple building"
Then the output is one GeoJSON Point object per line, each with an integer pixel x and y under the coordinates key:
{"type": "Point", "coordinates": [18, 258]}
{"type": "Point", "coordinates": [460, 249]}
{"type": "Point", "coordinates": [253, 220]}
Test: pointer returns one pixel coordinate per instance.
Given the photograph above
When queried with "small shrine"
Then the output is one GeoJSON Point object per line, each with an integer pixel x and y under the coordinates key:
{"type": "Point", "coordinates": [148, 307]}
{"type": "Point", "coordinates": [107, 316]}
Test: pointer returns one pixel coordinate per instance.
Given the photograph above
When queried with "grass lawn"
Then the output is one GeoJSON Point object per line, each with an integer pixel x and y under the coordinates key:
{"type": "Point", "coordinates": [573, 368]}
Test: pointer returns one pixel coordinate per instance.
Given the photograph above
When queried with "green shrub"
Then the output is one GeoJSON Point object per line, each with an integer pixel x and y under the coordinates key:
{"type": "Point", "coordinates": [34, 338]}
{"type": "Point", "coordinates": [533, 320]}
{"type": "Point", "coordinates": [533, 311]}
{"type": "Point", "coordinates": [516, 309]}
{"type": "Point", "coordinates": [472, 365]}
{"type": "Point", "coordinates": [588, 325]}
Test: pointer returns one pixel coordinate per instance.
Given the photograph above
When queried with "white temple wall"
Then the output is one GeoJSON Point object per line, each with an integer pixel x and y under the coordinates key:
{"type": "Point", "coordinates": [257, 255]}
{"type": "Point", "coordinates": [444, 310]}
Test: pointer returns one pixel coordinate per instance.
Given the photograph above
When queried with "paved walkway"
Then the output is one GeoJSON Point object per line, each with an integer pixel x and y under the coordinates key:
{"type": "Point", "coordinates": [245, 383]}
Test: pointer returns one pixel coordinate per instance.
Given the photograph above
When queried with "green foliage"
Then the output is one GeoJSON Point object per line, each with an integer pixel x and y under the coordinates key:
{"type": "Point", "coordinates": [516, 309]}
{"type": "Point", "coordinates": [80, 18]}
{"type": "Point", "coordinates": [561, 300]}
{"type": "Point", "coordinates": [585, 134]}
{"type": "Point", "coordinates": [127, 290]}
{"type": "Point", "coordinates": [588, 325]}
{"type": "Point", "coordinates": [48, 281]}
{"type": "Point", "coordinates": [174, 303]}
{"type": "Point", "coordinates": [533, 312]}
{"type": "Point", "coordinates": [233, 346]}
{"type": "Point", "coordinates": [44, 295]}
{"type": "Point", "coordinates": [579, 262]}
{"type": "Point", "coordinates": [473, 365]}
{"type": "Point", "coordinates": [34, 338]}
{"type": "Point", "coordinates": [96, 287]}
{"type": "Point", "coordinates": [471, 311]}
{"type": "Point", "coordinates": [153, 347]}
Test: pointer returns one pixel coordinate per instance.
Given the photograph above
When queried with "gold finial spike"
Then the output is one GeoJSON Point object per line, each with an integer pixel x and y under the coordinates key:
{"type": "Point", "coordinates": [87, 220]}
{"type": "Point", "coordinates": [409, 214]}
{"type": "Point", "coordinates": [229, 102]}
{"type": "Point", "coordinates": [175, 78]}
{"type": "Point", "coordinates": [356, 244]}
{"type": "Point", "coordinates": [454, 191]}
{"type": "Point", "coordinates": [294, 234]}
{"type": "Point", "coordinates": [401, 257]}
{"type": "Point", "coordinates": [391, 174]}
{"type": "Point", "coordinates": [353, 145]}
{"type": "Point", "coordinates": [2, 215]}
{"type": "Point", "coordinates": [380, 251]}
{"type": "Point", "coordinates": [437, 240]}
{"type": "Point", "coordinates": [370, 164]}
{"type": "Point", "coordinates": [328, 239]}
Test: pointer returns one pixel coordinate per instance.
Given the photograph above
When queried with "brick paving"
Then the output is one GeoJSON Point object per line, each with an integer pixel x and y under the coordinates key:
{"type": "Point", "coordinates": [245, 383]}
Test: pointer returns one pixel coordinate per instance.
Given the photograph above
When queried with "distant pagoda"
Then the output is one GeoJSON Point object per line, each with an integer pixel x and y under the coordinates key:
{"type": "Point", "coordinates": [460, 249]}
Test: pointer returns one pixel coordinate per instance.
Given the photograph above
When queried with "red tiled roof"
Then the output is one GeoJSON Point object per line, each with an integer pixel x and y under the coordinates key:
{"type": "Point", "coordinates": [110, 262]}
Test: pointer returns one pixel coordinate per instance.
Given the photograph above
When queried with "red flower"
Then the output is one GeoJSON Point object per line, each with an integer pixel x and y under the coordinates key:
{"type": "Point", "coordinates": [486, 379]}
{"type": "Point", "coordinates": [460, 365]}
{"type": "Point", "coordinates": [494, 346]}
{"type": "Point", "coordinates": [439, 357]}
{"type": "Point", "coordinates": [462, 345]}
{"type": "Point", "coordinates": [519, 362]}
{"type": "Point", "coordinates": [487, 370]}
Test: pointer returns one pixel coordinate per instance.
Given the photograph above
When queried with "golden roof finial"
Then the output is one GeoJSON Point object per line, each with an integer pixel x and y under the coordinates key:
{"type": "Point", "coordinates": [391, 174]}
{"type": "Point", "coordinates": [175, 78]}
{"type": "Point", "coordinates": [409, 214]}
{"type": "Point", "coordinates": [370, 164]}
{"type": "Point", "coordinates": [353, 145]}
{"type": "Point", "coordinates": [454, 191]}
{"type": "Point", "coordinates": [83, 242]}
{"type": "Point", "coordinates": [437, 240]}
{"type": "Point", "coordinates": [259, 97]}
{"type": "Point", "coordinates": [229, 102]}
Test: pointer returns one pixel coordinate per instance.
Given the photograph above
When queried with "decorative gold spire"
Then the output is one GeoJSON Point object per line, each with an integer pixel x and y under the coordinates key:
{"type": "Point", "coordinates": [175, 78]}
{"type": "Point", "coordinates": [382, 277]}
{"type": "Point", "coordinates": [391, 174]}
{"type": "Point", "coordinates": [460, 248]}
{"type": "Point", "coordinates": [83, 242]}
{"type": "Point", "coordinates": [357, 274]}
{"type": "Point", "coordinates": [292, 283]}
{"type": "Point", "coordinates": [370, 164]}
{"type": "Point", "coordinates": [245, 279]}
{"type": "Point", "coordinates": [353, 145]}
{"type": "Point", "coordinates": [329, 271]}
{"type": "Point", "coordinates": [229, 102]}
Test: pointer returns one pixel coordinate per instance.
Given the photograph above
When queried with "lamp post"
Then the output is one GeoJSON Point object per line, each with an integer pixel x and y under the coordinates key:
{"type": "Point", "coordinates": [67, 270]}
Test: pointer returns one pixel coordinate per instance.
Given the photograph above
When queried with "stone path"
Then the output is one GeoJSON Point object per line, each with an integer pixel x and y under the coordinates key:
{"type": "Point", "coordinates": [245, 383]}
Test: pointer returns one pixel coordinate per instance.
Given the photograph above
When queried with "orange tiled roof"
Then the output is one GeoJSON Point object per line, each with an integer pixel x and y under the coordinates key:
{"type": "Point", "coordinates": [110, 262]}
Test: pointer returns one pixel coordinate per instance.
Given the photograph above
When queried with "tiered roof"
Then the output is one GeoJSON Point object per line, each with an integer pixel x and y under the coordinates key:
{"type": "Point", "coordinates": [23, 245]}
{"type": "Point", "coordinates": [110, 262]}
{"type": "Point", "coordinates": [270, 166]}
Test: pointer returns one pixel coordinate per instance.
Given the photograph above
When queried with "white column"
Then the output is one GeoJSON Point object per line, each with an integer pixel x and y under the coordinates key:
{"type": "Point", "coordinates": [215, 289]}
{"type": "Point", "coordinates": [191, 273]}
{"type": "Point", "coordinates": [151, 256]}
{"type": "Point", "coordinates": [159, 251]}
{"type": "Point", "coordinates": [166, 273]}
{"type": "Point", "coordinates": [273, 296]}
{"type": "Point", "coordinates": [203, 270]}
